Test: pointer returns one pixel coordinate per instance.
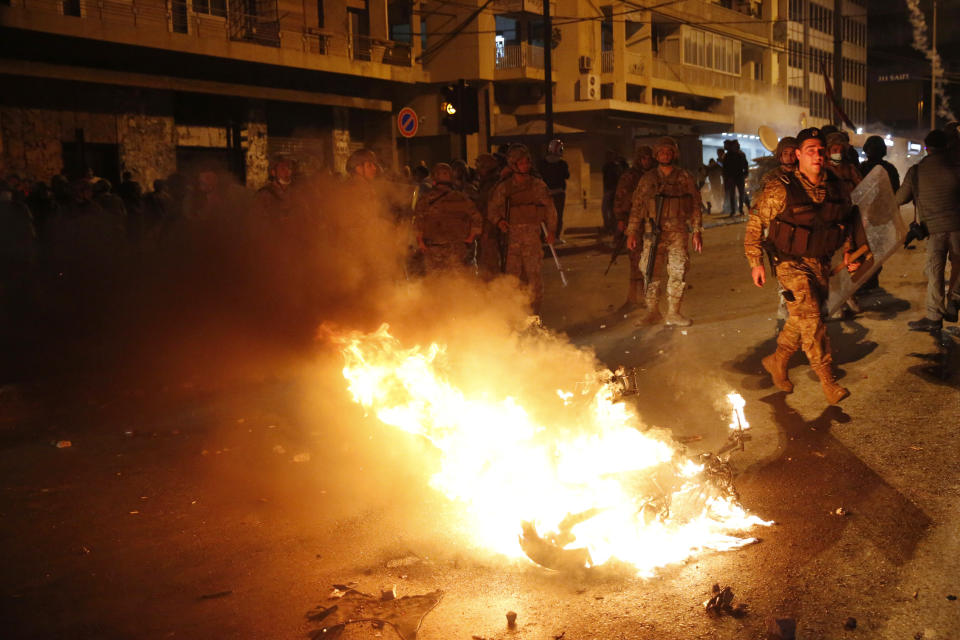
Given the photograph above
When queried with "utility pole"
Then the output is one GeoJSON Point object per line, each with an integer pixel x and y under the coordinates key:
{"type": "Point", "coordinates": [933, 72]}
{"type": "Point", "coordinates": [838, 60]}
{"type": "Point", "coordinates": [461, 103]}
{"type": "Point", "coordinates": [548, 70]}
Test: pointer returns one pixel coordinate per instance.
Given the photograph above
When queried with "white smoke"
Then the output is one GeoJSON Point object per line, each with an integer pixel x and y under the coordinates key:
{"type": "Point", "coordinates": [919, 22]}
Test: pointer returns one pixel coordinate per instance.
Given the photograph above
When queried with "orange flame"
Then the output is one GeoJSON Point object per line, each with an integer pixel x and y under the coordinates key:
{"type": "Point", "coordinates": [648, 504]}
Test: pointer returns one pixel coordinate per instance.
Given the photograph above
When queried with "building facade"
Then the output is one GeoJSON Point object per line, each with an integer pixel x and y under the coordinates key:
{"type": "Point", "coordinates": [158, 86]}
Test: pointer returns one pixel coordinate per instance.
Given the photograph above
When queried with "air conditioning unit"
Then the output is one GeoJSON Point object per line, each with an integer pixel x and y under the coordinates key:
{"type": "Point", "coordinates": [586, 64]}
{"type": "Point", "coordinates": [588, 87]}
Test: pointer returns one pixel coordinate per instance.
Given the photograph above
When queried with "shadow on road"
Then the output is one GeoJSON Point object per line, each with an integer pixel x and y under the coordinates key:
{"type": "Point", "coordinates": [815, 475]}
{"type": "Point", "coordinates": [943, 362]}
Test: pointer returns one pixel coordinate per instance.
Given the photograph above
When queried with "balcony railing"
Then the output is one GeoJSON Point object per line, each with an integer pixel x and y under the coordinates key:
{"type": "Point", "coordinates": [519, 56]}
{"type": "Point", "coordinates": [694, 76]}
{"type": "Point", "coordinates": [635, 63]}
{"type": "Point", "coordinates": [221, 22]}
{"type": "Point", "coordinates": [606, 62]}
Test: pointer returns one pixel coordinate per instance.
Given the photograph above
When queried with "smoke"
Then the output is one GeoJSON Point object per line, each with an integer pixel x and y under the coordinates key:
{"type": "Point", "coordinates": [920, 43]}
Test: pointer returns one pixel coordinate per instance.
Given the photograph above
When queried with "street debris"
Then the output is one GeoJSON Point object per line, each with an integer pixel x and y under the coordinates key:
{"type": "Point", "coordinates": [404, 614]}
{"type": "Point", "coordinates": [840, 511]}
{"type": "Point", "coordinates": [722, 603]}
{"type": "Point", "coordinates": [951, 597]}
{"type": "Point", "coordinates": [388, 592]}
{"type": "Point", "coordinates": [63, 444]}
{"type": "Point", "coordinates": [218, 594]}
{"type": "Point", "coordinates": [406, 561]}
{"type": "Point", "coordinates": [781, 629]}
{"type": "Point", "coordinates": [850, 624]}
{"type": "Point", "coordinates": [511, 619]}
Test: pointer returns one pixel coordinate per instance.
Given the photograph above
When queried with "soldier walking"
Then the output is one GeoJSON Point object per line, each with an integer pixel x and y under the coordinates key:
{"type": "Point", "coordinates": [488, 251]}
{"type": "Point", "coordinates": [622, 201]}
{"type": "Point", "coordinates": [808, 216]}
{"type": "Point", "coordinates": [518, 205]}
{"type": "Point", "coordinates": [668, 198]}
{"type": "Point", "coordinates": [447, 222]}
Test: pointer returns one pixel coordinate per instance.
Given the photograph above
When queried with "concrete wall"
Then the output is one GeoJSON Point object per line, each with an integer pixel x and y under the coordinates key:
{"type": "Point", "coordinates": [30, 143]}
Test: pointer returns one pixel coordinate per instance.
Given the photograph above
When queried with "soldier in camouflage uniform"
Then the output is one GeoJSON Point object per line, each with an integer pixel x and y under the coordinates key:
{"type": "Point", "coordinates": [447, 222]}
{"type": "Point", "coordinates": [786, 155]}
{"type": "Point", "coordinates": [518, 205]}
{"type": "Point", "coordinates": [838, 146]}
{"type": "Point", "coordinates": [622, 202]}
{"type": "Point", "coordinates": [680, 217]}
{"type": "Point", "coordinates": [805, 217]}
{"type": "Point", "coordinates": [488, 251]}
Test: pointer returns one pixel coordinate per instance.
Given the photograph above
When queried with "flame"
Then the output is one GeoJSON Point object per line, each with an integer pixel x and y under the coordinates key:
{"type": "Point", "coordinates": [597, 483]}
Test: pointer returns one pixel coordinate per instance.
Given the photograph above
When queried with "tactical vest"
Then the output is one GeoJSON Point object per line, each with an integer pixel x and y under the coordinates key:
{"type": "Point", "coordinates": [524, 205]}
{"type": "Point", "coordinates": [807, 229]}
{"type": "Point", "coordinates": [448, 219]}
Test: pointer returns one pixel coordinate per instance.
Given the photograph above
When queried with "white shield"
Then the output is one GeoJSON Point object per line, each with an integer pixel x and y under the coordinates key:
{"type": "Point", "coordinates": [885, 232]}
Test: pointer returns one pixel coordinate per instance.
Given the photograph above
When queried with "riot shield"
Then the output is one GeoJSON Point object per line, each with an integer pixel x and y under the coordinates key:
{"type": "Point", "coordinates": [884, 229]}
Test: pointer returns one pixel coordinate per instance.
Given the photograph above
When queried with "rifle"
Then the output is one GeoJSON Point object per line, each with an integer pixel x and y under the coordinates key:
{"type": "Point", "coordinates": [617, 250]}
{"type": "Point", "coordinates": [556, 260]}
{"type": "Point", "coordinates": [654, 238]}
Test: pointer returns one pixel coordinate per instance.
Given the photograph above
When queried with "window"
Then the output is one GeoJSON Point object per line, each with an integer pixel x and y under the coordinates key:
{"type": "Point", "coordinates": [320, 14]}
{"type": "Point", "coordinates": [711, 51]}
{"type": "Point", "coordinates": [795, 95]}
{"type": "Point", "coordinates": [795, 54]}
{"type": "Point", "coordinates": [211, 7]}
{"type": "Point", "coordinates": [796, 10]}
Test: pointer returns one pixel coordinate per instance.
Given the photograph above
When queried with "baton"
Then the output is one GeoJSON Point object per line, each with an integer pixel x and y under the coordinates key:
{"type": "Point", "coordinates": [556, 260]}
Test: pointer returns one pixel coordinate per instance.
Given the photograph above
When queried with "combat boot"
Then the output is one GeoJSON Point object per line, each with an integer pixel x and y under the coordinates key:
{"type": "Point", "coordinates": [776, 366]}
{"type": "Point", "coordinates": [652, 316]}
{"type": "Point", "coordinates": [674, 317]}
{"type": "Point", "coordinates": [635, 297]}
{"type": "Point", "coordinates": [833, 391]}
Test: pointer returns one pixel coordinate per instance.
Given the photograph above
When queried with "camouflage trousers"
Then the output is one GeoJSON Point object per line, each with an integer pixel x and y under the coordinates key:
{"type": "Point", "coordinates": [671, 260]}
{"type": "Point", "coordinates": [488, 254]}
{"type": "Point", "coordinates": [525, 260]}
{"type": "Point", "coordinates": [804, 282]}
{"type": "Point", "coordinates": [635, 286]}
{"type": "Point", "coordinates": [445, 257]}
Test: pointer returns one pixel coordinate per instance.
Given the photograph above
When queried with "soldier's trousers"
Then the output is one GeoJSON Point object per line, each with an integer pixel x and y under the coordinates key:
{"type": "Point", "coordinates": [445, 257]}
{"type": "Point", "coordinates": [671, 260]}
{"type": "Point", "coordinates": [804, 281]}
{"type": "Point", "coordinates": [635, 290]}
{"type": "Point", "coordinates": [488, 254]}
{"type": "Point", "coordinates": [525, 260]}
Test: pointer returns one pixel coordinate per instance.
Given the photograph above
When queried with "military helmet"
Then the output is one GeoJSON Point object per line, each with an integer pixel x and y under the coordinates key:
{"type": "Point", "coordinates": [358, 157]}
{"type": "Point", "coordinates": [669, 143]}
{"type": "Point", "coordinates": [836, 137]}
{"type": "Point", "coordinates": [555, 147]}
{"type": "Point", "coordinates": [517, 151]}
{"type": "Point", "coordinates": [442, 167]}
{"type": "Point", "coordinates": [486, 163]}
{"type": "Point", "coordinates": [786, 142]}
{"type": "Point", "coordinates": [643, 151]}
{"type": "Point", "coordinates": [875, 147]}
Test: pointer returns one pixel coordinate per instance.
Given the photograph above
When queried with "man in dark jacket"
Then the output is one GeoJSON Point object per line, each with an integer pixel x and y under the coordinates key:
{"type": "Point", "coordinates": [555, 172]}
{"type": "Point", "coordinates": [735, 170]}
{"type": "Point", "coordinates": [933, 184]}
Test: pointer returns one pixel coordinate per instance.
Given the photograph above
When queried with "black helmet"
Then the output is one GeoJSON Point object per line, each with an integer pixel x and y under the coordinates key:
{"type": "Point", "coordinates": [875, 147]}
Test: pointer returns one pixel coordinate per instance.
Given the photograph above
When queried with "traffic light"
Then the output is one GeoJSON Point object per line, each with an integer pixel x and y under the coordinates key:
{"type": "Point", "coordinates": [459, 110]}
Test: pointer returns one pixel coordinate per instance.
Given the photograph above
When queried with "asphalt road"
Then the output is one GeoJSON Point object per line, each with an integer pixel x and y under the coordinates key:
{"type": "Point", "coordinates": [195, 513]}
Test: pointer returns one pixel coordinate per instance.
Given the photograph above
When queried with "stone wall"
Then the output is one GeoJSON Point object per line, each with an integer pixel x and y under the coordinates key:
{"type": "Point", "coordinates": [257, 162]}
{"type": "Point", "coordinates": [30, 144]}
{"type": "Point", "coordinates": [148, 147]}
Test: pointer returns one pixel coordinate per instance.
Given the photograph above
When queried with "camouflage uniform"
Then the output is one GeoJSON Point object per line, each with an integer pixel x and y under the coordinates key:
{"type": "Point", "coordinates": [488, 251]}
{"type": "Point", "coordinates": [444, 219]}
{"type": "Point", "coordinates": [681, 215]}
{"type": "Point", "coordinates": [804, 279]}
{"type": "Point", "coordinates": [524, 204]}
{"type": "Point", "coordinates": [622, 202]}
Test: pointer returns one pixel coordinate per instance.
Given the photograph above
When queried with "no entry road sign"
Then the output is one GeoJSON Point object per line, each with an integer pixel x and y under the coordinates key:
{"type": "Point", "coordinates": [407, 122]}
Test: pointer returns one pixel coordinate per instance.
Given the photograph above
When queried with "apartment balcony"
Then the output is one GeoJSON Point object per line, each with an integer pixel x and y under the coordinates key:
{"type": "Point", "coordinates": [516, 7]}
{"type": "Point", "coordinates": [634, 63]}
{"type": "Point", "coordinates": [216, 29]}
{"type": "Point", "coordinates": [519, 62]}
{"type": "Point", "coordinates": [674, 76]}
